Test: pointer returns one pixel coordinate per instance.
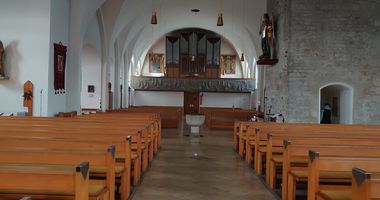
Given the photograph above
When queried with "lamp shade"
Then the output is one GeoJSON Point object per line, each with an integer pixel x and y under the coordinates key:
{"type": "Point", "coordinates": [220, 20]}
{"type": "Point", "coordinates": [154, 18]}
{"type": "Point", "coordinates": [242, 58]}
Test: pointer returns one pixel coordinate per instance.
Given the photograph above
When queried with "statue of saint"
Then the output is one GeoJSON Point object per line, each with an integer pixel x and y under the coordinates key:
{"type": "Point", "coordinates": [267, 37]}
{"type": "Point", "coordinates": [1, 59]}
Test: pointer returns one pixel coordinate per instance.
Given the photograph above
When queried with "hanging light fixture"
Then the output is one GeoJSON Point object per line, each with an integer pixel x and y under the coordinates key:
{"type": "Point", "coordinates": [242, 58]}
{"type": "Point", "coordinates": [220, 20]}
{"type": "Point", "coordinates": [153, 20]}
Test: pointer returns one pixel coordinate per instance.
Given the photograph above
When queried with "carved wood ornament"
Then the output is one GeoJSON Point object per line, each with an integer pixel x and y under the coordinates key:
{"type": "Point", "coordinates": [28, 97]}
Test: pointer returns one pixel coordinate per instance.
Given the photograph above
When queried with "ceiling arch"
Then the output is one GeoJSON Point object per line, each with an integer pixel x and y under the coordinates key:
{"type": "Point", "coordinates": [134, 32]}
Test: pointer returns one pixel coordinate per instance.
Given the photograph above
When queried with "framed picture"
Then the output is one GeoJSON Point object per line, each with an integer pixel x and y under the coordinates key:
{"type": "Point", "coordinates": [91, 88]}
{"type": "Point", "coordinates": [228, 64]}
{"type": "Point", "coordinates": [156, 63]}
{"type": "Point", "coordinates": [59, 67]}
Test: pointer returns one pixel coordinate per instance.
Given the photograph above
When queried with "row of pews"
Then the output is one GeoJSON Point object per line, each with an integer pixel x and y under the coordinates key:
{"type": "Point", "coordinates": [334, 162]}
{"type": "Point", "coordinates": [100, 156]}
{"type": "Point", "coordinates": [224, 118]}
{"type": "Point", "coordinates": [171, 116]}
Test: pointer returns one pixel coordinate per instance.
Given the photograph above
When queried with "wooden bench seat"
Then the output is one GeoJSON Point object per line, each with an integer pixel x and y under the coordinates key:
{"type": "Point", "coordinates": [47, 182]}
{"type": "Point", "coordinates": [255, 141]}
{"type": "Point", "coordinates": [56, 128]}
{"type": "Point", "coordinates": [252, 145]}
{"type": "Point", "coordinates": [224, 118]}
{"type": "Point", "coordinates": [85, 134]}
{"type": "Point", "coordinates": [144, 128]}
{"type": "Point", "coordinates": [325, 176]}
{"type": "Point", "coordinates": [335, 195]}
{"type": "Point", "coordinates": [48, 157]}
{"type": "Point", "coordinates": [122, 146]}
{"type": "Point", "coordinates": [275, 143]}
{"type": "Point", "coordinates": [365, 186]}
{"type": "Point", "coordinates": [170, 116]}
{"type": "Point", "coordinates": [289, 179]}
{"type": "Point", "coordinates": [318, 163]}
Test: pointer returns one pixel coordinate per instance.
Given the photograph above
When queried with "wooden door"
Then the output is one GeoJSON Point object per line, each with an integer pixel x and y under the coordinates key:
{"type": "Point", "coordinates": [191, 103]}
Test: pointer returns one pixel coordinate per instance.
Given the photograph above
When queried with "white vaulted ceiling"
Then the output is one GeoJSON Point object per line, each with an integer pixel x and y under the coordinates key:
{"type": "Point", "coordinates": [127, 23]}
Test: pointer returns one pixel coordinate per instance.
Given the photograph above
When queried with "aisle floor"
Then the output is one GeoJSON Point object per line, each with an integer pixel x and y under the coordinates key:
{"type": "Point", "coordinates": [216, 173]}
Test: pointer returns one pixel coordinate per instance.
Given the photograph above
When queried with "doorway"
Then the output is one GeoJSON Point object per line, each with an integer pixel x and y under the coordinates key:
{"type": "Point", "coordinates": [340, 98]}
{"type": "Point", "coordinates": [191, 103]}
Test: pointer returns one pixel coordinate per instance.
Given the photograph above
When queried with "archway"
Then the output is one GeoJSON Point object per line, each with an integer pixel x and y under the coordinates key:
{"type": "Point", "coordinates": [340, 98]}
{"type": "Point", "coordinates": [91, 78]}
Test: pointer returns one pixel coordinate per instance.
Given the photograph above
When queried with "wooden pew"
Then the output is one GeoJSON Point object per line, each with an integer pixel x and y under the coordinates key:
{"type": "Point", "coordinates": [258, 141]}
{"type": "Point", "coordinates": [170, 116]}
{"type": "Point", "coordinates": [102, 162]}
{"type": "Point", "coordinates": [298, 130]}
{"type": "Point", "coordinates": [302, 142]}
{"type": "Point", "coordinates": [153, 119]}
{"type": "Point", "coordinates": [67, 114]}
{"type": "Point", "coordinates": [297, 155]}
{"type": "Point", "coordinates": [148, 138]}
{"type": "Point", "coordinates": [122, 150]}
{"type": "Point", "coordinates": [276, 128]}
{"type": "Point", "coordinates": [141, 117]}
{"type": "Point", "coordinates": [224, 118]}
{"type": "Point", "coordinates": [336, 164]}
{"type": "Point", "coordinates": [61, 125]}
{"type": "Point", "coordinates": [48, 182]}
{"type": "Point", "coordinates": [84, 132]}
{"type": "Point", "coordinates": [365, 185]}
{"type": "Point", "coordinates": [84, 135]}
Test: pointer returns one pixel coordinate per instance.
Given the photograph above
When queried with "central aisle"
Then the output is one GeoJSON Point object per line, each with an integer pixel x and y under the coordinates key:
{"type": "Point", "coordinates": [217, 173]}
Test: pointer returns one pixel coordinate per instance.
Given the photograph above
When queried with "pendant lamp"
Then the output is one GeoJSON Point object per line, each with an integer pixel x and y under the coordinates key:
{"type": "Point", "coordinates": [154, 18]}
{"type": "Point", "coordinates": [220, 20]}
{"type": "Point", "coordinates": [242, 58]}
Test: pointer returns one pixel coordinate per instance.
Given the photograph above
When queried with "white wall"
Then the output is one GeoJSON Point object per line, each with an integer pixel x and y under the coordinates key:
{"type": "Point", "coordinates": [346, 101]}
{"type": "Point", "coordinates": [226, 100]}
{"type": "Point", "coordinates": [59, 32]}
{"type": "Point", "coordinates": [160, 45]}
{"type": "Point", "coordinates": [149, 98]}
{"type": "Point", "coordinates": [92, 35]}
{"type": "Point", "coordinates": [25, 30]}
{"type": "Point", "coordinates": [91, 69]}
{"type": "Point", "coordinates": [91, 66]}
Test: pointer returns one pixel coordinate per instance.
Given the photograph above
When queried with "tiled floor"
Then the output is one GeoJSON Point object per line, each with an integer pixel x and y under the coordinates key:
{"type": "Point", "coordinates": [216, 173]}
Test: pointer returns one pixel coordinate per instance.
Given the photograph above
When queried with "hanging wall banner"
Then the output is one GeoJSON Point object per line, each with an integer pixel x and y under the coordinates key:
{"type": "Point", "coordinates": [59, 68]}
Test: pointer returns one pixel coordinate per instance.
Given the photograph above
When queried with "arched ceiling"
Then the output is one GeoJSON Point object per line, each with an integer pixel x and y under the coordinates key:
{"type": "Point", "coordinates": [127, 23]}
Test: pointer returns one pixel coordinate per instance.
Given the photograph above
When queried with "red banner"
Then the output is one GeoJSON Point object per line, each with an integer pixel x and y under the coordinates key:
{"type": "Point", "coordinates": [59, 68]}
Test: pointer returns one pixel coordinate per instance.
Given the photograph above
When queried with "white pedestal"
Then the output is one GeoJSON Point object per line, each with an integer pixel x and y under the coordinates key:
{"type": "Point", "coordinates": [195, 131]}
{"type": "Point", "coordinates": [195, 121]}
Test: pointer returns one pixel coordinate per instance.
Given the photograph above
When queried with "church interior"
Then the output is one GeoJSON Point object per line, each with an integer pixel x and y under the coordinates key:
{"type": "Point", "coordinates": [169, 99]}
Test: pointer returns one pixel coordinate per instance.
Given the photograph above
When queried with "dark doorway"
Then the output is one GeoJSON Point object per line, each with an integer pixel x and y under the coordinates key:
{"type": "Point", "coordinates": [191, 104]}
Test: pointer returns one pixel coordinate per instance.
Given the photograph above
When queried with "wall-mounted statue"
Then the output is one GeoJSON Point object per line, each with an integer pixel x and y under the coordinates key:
{"type": "Point", "coordinates": [267, 37]}
{"type": "Point", "coordinates": [1, 59]}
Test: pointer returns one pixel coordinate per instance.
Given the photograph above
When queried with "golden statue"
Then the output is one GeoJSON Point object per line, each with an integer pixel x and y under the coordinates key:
{"type": "Point", "coordinates": [267, 37]}
{"type": "Point", "coordinates": [1, 59]}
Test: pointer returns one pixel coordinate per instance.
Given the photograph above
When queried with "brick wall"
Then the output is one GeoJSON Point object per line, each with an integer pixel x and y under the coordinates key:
{"type": "Point", "coordinates": [327, 41]}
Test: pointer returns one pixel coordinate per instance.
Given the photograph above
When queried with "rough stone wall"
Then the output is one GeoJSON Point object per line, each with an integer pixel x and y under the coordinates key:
{"type": "Point", "coordinates": [276, 80]}
{"type": "Point", "coordinates": [328, 41]}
